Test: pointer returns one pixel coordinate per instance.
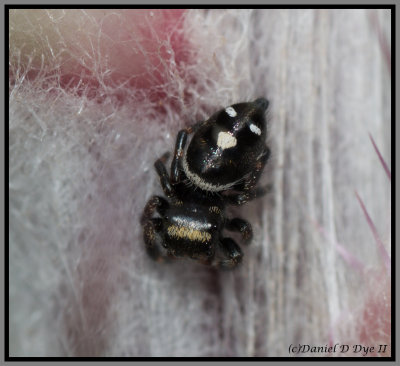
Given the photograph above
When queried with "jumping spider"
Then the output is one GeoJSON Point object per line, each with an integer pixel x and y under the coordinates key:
{"type": "Point", "coordinates": [221, 166]}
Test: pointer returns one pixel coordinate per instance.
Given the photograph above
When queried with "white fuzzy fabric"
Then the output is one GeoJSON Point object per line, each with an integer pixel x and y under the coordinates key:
{"type": "Point", "coordinates": [81, 172]}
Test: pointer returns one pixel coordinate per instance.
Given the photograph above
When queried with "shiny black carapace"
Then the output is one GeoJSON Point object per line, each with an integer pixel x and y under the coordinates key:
{"type": "Point", "coordinates": [221, 166]}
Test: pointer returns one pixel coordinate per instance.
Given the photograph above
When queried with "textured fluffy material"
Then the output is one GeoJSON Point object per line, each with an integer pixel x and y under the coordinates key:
{"type": "Point", "coordinates": [91, 111]}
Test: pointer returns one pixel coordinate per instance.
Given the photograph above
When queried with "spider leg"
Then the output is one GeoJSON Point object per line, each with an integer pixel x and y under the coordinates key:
{"type": "Point", "coordinates": [154, 203]}
{"type": "Point", "coordinates": [163, 174]}
{"type": "Point", "coordinates": [242, 226]}
{"type": "Point", "coordinates": [232, 252]}
{"type": "Point", "coordinates": [152, 226]}
{"type": "Point", "coordinates": [181, 139]}
{"type": "Point", "coordinates": [239, 199]}
{"type": "Point", "coordinates": [176, 165]}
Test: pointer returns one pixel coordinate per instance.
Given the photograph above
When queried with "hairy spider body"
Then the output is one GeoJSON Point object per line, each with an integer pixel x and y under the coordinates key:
{"type": "Point", "coordinates": [225, 148]}
{"type": "Point", "coordinates": [221, 166]}
{"type": "Point", "coordinates": [190, 224]}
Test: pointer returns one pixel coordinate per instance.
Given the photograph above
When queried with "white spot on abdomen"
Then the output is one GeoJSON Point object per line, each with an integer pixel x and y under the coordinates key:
{"type": "Point", "coordinates": [230, 112]}
{"type": "Point", "coordinates": [226, 140]}
{"type": "Point", "coordinates": [255, 129]}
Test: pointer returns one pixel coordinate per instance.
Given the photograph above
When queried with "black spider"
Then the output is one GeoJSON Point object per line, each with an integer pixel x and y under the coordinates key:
{"type": "Point", "coordinates": [221, 166]}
